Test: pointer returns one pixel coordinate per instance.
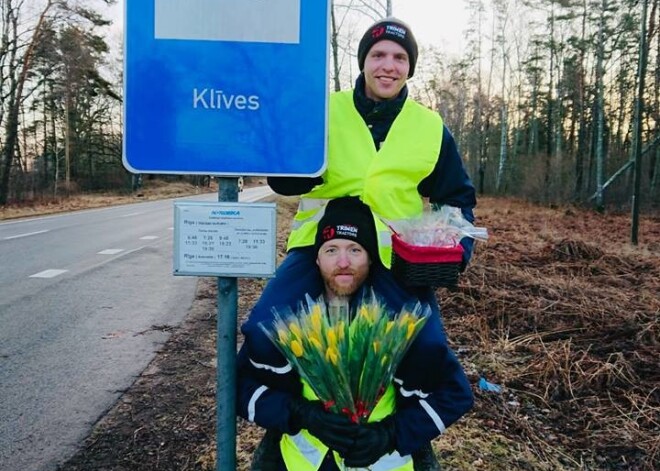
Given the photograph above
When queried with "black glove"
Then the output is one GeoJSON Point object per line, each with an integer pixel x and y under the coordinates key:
{"type": "Point", "coordinates": [372, 441]}
{"type": "Point", "coordinates": [336, 431]}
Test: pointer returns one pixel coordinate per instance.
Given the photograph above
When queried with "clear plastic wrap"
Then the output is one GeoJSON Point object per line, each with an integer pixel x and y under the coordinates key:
{"type": "Point", "coordinates": [442, 228]}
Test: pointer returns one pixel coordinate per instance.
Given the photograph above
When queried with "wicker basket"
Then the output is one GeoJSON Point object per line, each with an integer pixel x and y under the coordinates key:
{"type": "Point", "coordinates": [415, 265]}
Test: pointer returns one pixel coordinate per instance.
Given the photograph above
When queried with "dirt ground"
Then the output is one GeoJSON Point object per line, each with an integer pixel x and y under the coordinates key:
{"type": "Point", "coordinates": [557, 308]}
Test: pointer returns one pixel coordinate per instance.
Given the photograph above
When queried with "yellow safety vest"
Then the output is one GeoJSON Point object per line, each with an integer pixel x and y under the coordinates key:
{"type": "Point", "coordinates": [305, 452]}
{"type": "Point", "coordinates": [386, 179]}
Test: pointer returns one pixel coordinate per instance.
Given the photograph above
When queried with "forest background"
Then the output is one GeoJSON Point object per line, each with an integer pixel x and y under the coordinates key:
{"type": "Point", "coordinates": [551, 100]}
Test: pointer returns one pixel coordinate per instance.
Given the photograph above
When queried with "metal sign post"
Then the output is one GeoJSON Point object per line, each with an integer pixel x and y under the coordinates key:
{"type": "Point", "coordinates": [226, 322]}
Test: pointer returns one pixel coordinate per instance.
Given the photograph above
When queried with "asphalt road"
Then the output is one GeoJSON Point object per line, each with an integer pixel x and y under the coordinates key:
{"type": "Point", "coordinates": [86, 299]}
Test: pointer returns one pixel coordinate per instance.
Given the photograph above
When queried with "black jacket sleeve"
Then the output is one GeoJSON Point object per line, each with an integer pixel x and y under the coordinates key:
{"type": "Point", "coordinates": [261, 401]}
{"type": "Point", "coordinates": [422, 416]}
{"type": "Point", "coordinates": [449, 184]}
{"type": "Point", "coordinates": [292, 186]}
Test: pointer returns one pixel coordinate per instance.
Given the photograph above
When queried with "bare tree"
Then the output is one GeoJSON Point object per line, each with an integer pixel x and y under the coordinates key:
{"type": "Point", "coordinates": [639, 108]}
{"type": "Point", "coordinates": [18, 66]}
{"type": "Point", "coordinates": [344, 17]}
{"type": "Point", "coordinates": [501, 7]}
{"type": "Point", "coordinates": [375, 9]}
{"type": "Point", "coordinates": [31, 62]}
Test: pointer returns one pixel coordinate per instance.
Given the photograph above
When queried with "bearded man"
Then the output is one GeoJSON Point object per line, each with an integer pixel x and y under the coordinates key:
{"type": "Point", "coordinates": [300, 433]}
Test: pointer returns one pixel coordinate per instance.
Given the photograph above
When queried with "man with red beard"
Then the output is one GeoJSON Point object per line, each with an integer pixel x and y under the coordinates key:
{"type": "Point", "coordinates": [347, 256]}
{"type": "Point", "coordinates": [346, 245]}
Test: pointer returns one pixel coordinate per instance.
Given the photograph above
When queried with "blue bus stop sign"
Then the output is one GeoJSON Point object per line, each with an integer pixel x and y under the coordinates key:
{"type": "Point", "coordinates": [228, 87]}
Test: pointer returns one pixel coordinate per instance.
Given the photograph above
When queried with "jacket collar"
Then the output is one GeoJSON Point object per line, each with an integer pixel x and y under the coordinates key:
{"type": "Point", "coordinates": [370, 108]}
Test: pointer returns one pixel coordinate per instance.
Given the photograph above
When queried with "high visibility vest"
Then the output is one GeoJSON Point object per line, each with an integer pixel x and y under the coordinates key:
{"type": "Point", "coordinates": [386, 179]}
{"type": "Point", "coordinates": [305, 452]}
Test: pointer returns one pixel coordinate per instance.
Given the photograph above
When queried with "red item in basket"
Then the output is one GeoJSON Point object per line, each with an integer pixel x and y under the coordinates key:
{"type": "Point", "coordinates": [422, 254]}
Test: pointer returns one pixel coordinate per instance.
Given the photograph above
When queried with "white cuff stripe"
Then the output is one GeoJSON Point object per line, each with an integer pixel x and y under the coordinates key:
{"type": "Point", "coordinates": [281, 371]}
{"type": "Point", "coordinates": [253, 402]}
{"type": "Point", "coordinates": [434, 416]}
{"type": "Point", "coordinates": [407, 393]}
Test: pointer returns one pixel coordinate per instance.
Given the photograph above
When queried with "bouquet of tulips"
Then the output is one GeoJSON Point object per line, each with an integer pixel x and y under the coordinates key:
{"type": "Point", "coordinates": [347, 357]}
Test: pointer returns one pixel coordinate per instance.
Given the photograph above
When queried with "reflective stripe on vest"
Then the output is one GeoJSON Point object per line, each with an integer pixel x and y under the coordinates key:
{"type": "Point", "coordinates": [302, 452]}
{"type": "Point", "coordinates": [393, 461]}
{"type": "Point", "coordinates": [305, 452]}
{"type": "Point", "coordinates": [385, 179]}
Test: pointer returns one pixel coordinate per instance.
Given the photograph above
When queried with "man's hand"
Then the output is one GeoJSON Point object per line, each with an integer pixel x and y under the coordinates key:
{"type": "Point", "coordinates": [372, 441]}
{"type": "Point", "coordinates": [336, 431]}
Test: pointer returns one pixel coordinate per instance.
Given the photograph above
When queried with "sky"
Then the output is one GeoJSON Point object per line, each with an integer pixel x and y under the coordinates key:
{"type": "Point", "coordinates": [437, 23]}
{"type": "Point", "coordinates": [434, 22]}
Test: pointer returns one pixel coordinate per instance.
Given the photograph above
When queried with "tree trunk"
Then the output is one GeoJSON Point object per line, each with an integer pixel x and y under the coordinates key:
{"type": "Point", "coordinates": [67, 143]}
{"type": "Point", "coordinates": [600, 101]}
{"type": "Point", "coordinates": [654, 155]}
{"type": "Point", "coordinates": [637, 123]}
{"type": "Point", "coordinates": [580, 151]}
{"type": "Point", "coordinates": [550, 108]}
{"type": "Point", "coordinates": [499, 183]}
{"type": "Point", "coordinates": [11, 125]}
{"type": "Point", "coordinates": [334, 44]}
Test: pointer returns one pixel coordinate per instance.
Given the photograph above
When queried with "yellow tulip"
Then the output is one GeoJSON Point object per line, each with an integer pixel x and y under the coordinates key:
{"type": "Point", "coordinates": [293, 327]}
{"type": "Point", "coordinates": [376, 346]}
{"type": "Point", "coordinates": [332, 338]}
{"type": "Point", "coordinates": [282, 335]}
{"type": "Point", "coordinates": [411, 330]}
{"type": "Point", "coordinates": [296, 348]}
{"type": "Point", "coordinates": [341, 330]}
{"type": "Point", "coordinates": [389, 326]}
{"type": "Point", "coordinates": [315, 318]}
{"type": "Point", "coordinates": [332, 355]}
{"type": "Point", "coordinates": [316, 342]}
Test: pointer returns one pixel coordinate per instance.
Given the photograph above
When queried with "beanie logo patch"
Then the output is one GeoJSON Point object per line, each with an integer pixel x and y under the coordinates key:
{"type": "Point", "coordinates": [397, 31]}
{"type": "Point", "coordinates": [347, 230]}
{"type": "Point", "coordinates": [328, 233]}
{"type": "Point", "coordinates": [377, 32]}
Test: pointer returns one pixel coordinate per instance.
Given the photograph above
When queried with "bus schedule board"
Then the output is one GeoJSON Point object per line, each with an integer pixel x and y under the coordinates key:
{"type": "Point", "coordinates": [225, 239]}
{"type": "Point", "coordinates": [226, 87]}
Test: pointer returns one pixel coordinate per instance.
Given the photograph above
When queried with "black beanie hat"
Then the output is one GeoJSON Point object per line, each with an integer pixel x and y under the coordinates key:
{"type": "Point", "coordinates": [393, 29]}
{"type": "Point", "coordinates": [351, 219]}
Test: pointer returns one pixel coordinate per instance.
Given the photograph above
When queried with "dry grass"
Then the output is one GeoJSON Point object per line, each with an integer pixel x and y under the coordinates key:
{"type": "Point", "coordinates": [566, 313]}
